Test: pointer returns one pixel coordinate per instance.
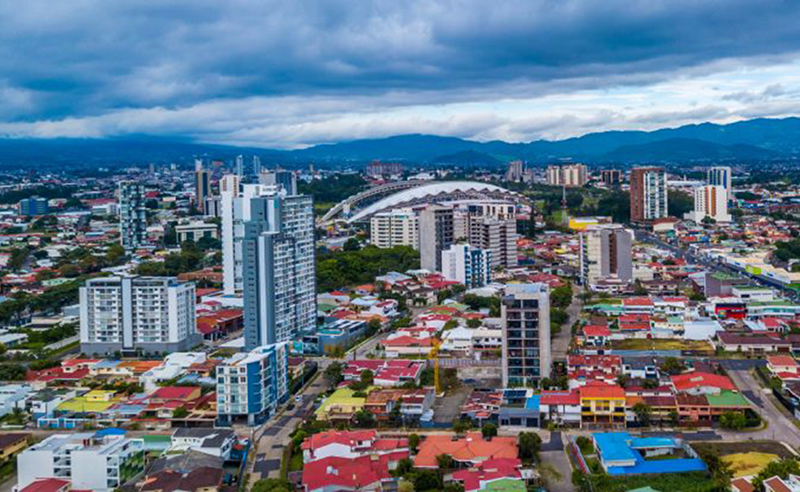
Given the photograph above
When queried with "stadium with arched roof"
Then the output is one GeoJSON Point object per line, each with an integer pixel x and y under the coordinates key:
{"type": "Point", "coordinates": [437, 192]}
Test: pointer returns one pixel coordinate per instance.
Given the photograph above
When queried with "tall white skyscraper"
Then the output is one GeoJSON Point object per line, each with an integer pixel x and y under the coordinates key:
{"type": "Point", "coordinates": [278, 270]}
{"type": "Point", "coordinates": [721, 176]}
{"type": "Point", "coordinates": [235, 210]}
{"type": "Point", "coordinates": [240, 165]}
{"type": "Point", "coordinates": [710, 201]}
{"type": "Point", "coordinates": [125, 314]}
{"type": "Point", "coordinates": [256, 165]}
{"type": "Point", "coordinates": [132, 216]}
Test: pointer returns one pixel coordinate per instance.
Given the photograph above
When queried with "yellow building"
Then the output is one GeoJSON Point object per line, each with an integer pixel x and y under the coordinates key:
{"type": "Point", "coordinates": [582, 223]}
{"type": "Point", "coordinates": [603, 405]}
{"type": "Point", "coordinates": [341, 405]}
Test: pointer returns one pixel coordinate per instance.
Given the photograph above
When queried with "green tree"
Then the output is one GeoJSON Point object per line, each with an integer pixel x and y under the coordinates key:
{"type": "Point", "coordinates": [333, 373]}
{"type": "Point", "coordinates": [272, 485]}
{"type": "Point", "coordinates": [679, 203]}
{"type": "Point", "coordinates": [413, 442]}
{"type": "Point", "coordinates": [782, 468]}
{"type": "Point", "coordinates": [352, 244]}
{"type": "Point", "coordinates": [720, 471]}
{"type": "Point", "coordinates": [474, 323]}
{"type": "Point", "coordinates": [367, 377]}
{"type": "Point", "coordinates": [489, 430]}
{"type": "Point", "coordinates": [529, 445]}
{"type": "Point", "coordinates": [404, 467]}
{"type": "Point", "coordinates": [643, 412]}
{"type": "Point", "coordinates": [732, 420]}
{"type": "Point", "coordinates": [364, 419]}
{"type": "Point", "coordinates": [444, 461]}
{"type": "Point", "coordinates": [561, 296]}
{"type": "Point", "coordinates": [180, 413]}
{"type": "Point", "coordinates": [672, 366]}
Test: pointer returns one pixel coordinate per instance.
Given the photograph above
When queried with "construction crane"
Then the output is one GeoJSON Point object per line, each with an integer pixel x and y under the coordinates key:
{"type": "Point", "coordinates": [434, 355]}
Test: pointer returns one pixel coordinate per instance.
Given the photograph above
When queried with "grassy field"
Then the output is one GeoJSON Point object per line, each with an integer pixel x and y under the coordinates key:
{"type": "Point", "coordinates": [745, 464]}
{"type": "Point", "coordinates": [661, 344]}
{"type": "Point", "coordinates": [723, 448]}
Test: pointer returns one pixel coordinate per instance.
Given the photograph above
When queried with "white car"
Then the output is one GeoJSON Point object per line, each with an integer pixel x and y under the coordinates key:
{"type": "Point", "coordinates": [298, 399]}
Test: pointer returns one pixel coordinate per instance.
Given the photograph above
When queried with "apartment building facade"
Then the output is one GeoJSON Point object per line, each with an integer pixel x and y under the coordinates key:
{"type": "Point", "coordinates": [525, 314]}
{"type": "Point", "coordinates": [251, 385]}
{"type": "Point", "coordinates": [130, 314]}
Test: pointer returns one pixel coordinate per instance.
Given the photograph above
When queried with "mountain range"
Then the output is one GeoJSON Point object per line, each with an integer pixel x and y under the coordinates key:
{"type": "Point", "coordinates": [750, 140]}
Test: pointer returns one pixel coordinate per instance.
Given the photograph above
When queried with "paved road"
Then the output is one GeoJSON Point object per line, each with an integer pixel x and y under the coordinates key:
{"type": "Point", "coordinates": [272, 437]}
{"type": "Point", "coordinates": [780, 427]}
{"type": "Point", "coordinates": [559, 344]}
{"type": "Point", "coordinates": [553, 456]}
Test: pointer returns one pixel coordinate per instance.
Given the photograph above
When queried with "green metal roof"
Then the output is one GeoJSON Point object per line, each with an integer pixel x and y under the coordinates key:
{"type": "Point", "coordinates": [727, 399]}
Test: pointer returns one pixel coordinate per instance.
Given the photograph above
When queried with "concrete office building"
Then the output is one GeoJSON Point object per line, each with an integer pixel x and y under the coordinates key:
{"type": "Point", "coordinates": [280, 178]}
{"type": "Point", "coordinates": [251, 385]}
{"type": "Point", "coordinates": [196, 230]}
{"type": "Point", "coordinates": [88, 461]}
{"type": "Point", "coordinates": [498, 236]}
{"type": "Point", "coordinates": [648, 194]}
{"type": "Point", "coordinates": [132, 216]}
{"type": "Point", "coordinates": [721, 176]}
{"type": "Point", "coordinates": [468, 265]}
{"type": "Point", "coordinates": [436, 234]}
{"type": "Point", "coordinates": [399, 227]}
{"type": "Point", "coordinates": [515, 171]}
{"type": "Point", "coordinates": [33, 206]}
{"type": "Point", "coordinates": [213, 207]}
{"type": "Point", "coordinates": [710, 201]}
{"type": "Point", "coordinates": [202, 188]}
{"type": "Point", "coordinates": [279, 274]}
{"type": "Point", "coordinates": [605, 252]}
{"type": "Point", "coordinates": [567, 175]}
{"type": "Point", "coordinates": [611, 177]}
{"type": "Point", "coordinates": [128, 314]}
{"type": "Point", "coordinates": [525, 314]}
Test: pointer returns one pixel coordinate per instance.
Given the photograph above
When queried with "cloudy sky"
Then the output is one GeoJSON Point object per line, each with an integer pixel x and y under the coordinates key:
{"type": "Point", "coordinates": [295, 73]}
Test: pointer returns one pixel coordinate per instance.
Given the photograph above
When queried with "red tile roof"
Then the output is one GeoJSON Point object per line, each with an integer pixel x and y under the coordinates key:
{"type": "Point", "coordinates": [684, 382]}
{"type": "Point", "coordinates": [348, 438]}
{"type": "Point", "coordinates": [47, 485]}
{"type": "Point", "coordinates": [489, 470]}
{"type": "Point", "coordinates": [174, 392]}
{"type": "Point", "coordinates": [351, 474]}
{"type": "Point", "coordinates": [781, 360]}
{"type": "Point", "coordinates": [560, 398]}
{"type": "Point", "coordinates": [596, 331]}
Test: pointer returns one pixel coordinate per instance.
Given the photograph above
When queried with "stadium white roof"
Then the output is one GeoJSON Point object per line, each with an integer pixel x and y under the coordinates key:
{"type": "Point", "coordinates": [421, 192]}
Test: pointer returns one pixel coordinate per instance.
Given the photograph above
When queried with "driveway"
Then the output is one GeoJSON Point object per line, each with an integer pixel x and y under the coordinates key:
{"type": "Point", "coordinates": [555, 461]}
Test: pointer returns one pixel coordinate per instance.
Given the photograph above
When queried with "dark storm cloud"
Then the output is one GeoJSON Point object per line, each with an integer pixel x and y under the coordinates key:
{"type": "Point", "coordinates": [89, 58]}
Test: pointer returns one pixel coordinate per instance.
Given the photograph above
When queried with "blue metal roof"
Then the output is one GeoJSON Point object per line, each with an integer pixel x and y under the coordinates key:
{"type": "Point", "coordinates": [613, 446]}
{"type": "Point", "coordinates": [532, 403]}
{"type": "Point", "coordinates": [653, 442]}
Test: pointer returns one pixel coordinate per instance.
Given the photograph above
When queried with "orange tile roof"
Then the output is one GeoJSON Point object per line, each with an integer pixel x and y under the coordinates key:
{"type": "Point", "coordinates": [602, 391]}
{"type": "Point", "coordinates": [472, 448]}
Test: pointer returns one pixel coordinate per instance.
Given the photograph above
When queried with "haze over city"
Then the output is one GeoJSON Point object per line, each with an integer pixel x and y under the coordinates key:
{"type": "Point", "coordinates": [293, 74]}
